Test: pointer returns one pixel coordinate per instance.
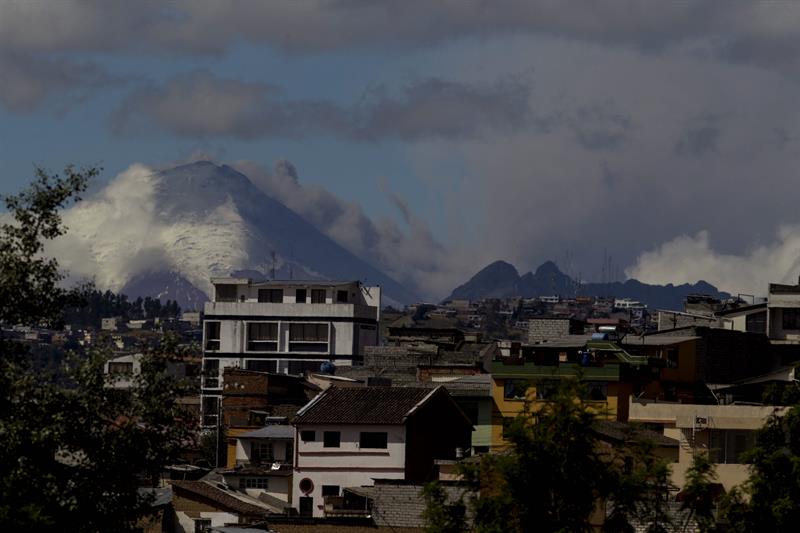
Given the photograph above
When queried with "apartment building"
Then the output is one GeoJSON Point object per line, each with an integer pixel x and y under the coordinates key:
{"type": "Point", "coordinates": [285, 327]}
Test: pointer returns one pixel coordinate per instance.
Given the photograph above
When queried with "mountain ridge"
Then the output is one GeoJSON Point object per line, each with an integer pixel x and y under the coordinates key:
{"type": "Point", "coordinates": [497, 280]}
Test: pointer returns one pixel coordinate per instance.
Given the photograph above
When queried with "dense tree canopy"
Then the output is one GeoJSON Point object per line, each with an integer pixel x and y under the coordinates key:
{"type": "Point", "coordinates": [73, 451]}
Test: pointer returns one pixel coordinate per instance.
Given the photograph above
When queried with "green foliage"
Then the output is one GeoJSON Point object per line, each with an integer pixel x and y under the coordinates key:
{"type": "Point", "coordinates": [73, 450]}
{"type": "Point", "coordinates": [556, 472]}
{"type": "Point", "coordinates": [770, 499]}
{"type": "Point", "coordinates": [95, 305]}
{"type": "Point", "coordinates": [442, 515]}
{"type": "Point", "coordinates": [699, 493]}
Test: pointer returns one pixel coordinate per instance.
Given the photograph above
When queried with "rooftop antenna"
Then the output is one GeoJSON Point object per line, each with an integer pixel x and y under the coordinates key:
{"type": "Point", "coordinates": [291, 262]}
{"type": "Point", "coordinates": [273, 264]}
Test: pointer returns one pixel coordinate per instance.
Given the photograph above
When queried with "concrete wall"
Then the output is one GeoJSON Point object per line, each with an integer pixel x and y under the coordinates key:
{"type": "Point", "coordinates": [348, 465]}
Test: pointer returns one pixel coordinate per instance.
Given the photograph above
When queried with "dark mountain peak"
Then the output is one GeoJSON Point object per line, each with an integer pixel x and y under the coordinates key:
{"type": "Point", "coordinates": [497, 280]}
{"type": "Point", "coordinates": [547, 268]}
{"type": "Point", "coordinates": [498, 268]}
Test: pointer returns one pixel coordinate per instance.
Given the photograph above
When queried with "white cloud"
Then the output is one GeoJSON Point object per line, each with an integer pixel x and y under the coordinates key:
{"type": "Point", "coordinates": [690, 258]}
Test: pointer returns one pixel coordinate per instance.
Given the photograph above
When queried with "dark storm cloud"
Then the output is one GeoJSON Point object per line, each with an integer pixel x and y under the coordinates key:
{"type": "Point", "coordinates": [740, 30]}
{"type": "Point", "coordinates": [199, 105]}
{"type": "Point", "coordinates": [27, 81]}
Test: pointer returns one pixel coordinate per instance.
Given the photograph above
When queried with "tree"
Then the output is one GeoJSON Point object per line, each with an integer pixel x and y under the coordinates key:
{"type": "Point", "coordinates": [555, 473]}
{"type": "Point", "coordinates": [770, 498]}
{"type": "Point", "coordinates": [73, 451]}
{"type": "Point", "coordinates": [699, 494]}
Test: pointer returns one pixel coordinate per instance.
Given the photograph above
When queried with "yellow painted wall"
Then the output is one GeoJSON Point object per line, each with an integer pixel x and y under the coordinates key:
{"type": "Point", "coordinates": [614, 408]}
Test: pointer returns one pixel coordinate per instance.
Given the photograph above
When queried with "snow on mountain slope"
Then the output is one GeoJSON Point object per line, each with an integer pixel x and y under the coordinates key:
{"type": "Point", "coordinates": [192, 222]}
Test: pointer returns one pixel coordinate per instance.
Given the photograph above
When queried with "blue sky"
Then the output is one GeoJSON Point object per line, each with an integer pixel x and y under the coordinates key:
{"type": "Point", "coordinates": [664, 132]}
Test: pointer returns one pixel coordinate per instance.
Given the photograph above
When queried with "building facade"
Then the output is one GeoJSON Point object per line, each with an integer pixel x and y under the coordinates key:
{"type": "Point", "coordinates": [285, 327]}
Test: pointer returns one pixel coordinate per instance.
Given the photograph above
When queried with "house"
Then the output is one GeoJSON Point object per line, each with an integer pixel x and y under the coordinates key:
{"type": "Point", "coordinates": [351, 436]}
{"type": "Point", "coordinates": [285, 327]}
{"type": "Point", "coordinates": [610, 374]}
{"type": "Point", "coordinates": [783, 313]}
{"type": "Point", "coordinates": [749, 318]}
{"type": "Point", "coordinates": [547, 328]}
{"type": "Point", "coordinates": [199, 505]}
{"type": "Point", "coordinates": [263, 462]}
{"type": "Point", "coordinates": [722, 431]}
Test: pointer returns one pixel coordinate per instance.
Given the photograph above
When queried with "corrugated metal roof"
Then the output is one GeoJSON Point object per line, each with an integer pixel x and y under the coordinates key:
{"type": "Point", "coordinates": [275, 431]}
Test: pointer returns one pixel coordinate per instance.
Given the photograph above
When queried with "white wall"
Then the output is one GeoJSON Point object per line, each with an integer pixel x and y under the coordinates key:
{"type": "Point", "coordinates": [348, 465]}
{"type": "Point", "coordinates": [218, 519]}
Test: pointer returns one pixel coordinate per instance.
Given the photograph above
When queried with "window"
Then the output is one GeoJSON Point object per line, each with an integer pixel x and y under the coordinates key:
{"type": "Point", "coordinates": [373, 439]}
{"type": "Point", "coordinates": [756, 322]}
{"type": "Point", "coordinates": [123, 369]}
{"type": "Point", "coordinates": [545, 390]}
{"type": "Point", "coordinates": [341, 297]}
{"type": "Point", "coordinates": [300, 296]}
{"type": "Point", "coordinates": [317, 296]}
{"type": "Point", "coordinates": [210, 410]}
{"type": "Point", "coordinates": [331, 439]}
{"type": "Point", "coordinates": [301, 367]}
{"type": "Point", "coordinates": [728, 445]}
{"type": "Point", "coordinates": [273, 296]}
{"type": "Point", "coordinates": [262, 337]}
{"type": "Point", "coordinates": [330, 490]}
{"type": "Point", "coordinates": [595, 390]}
{"type": "Point", "coordinates": [201, 525]}
{"type": "Point", "coordinates": [308, 338]}
{"type": "Point", "coordinates": [261, 452]}
{"type": "Point", "coordinates": [212, 335]}
{"type": "Point", "coordinates": [289, 452]}
{"type": "Point", "coordinates": [791, 318]}
{"type": "Point", "coordinates": [262, 366]}
{"type": "Point", "coordinates": [515, 389]}
{"type": "Point", "coordinates": [254, 483]}
{"type": "Point", "coordinates": [211, 373]}
{"type": "Point", "coordinates": [672, 357]}
{"type": "Point", "coordinates": [225, 293]}
{"type": "Point", "coordinates": [308, 436]}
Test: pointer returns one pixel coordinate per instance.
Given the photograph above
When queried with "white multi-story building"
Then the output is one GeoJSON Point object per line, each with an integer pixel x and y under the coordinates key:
{"type": "Point", "coordinates": [286, 327]}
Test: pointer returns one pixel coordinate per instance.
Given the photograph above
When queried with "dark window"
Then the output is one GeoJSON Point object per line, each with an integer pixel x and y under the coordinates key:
{"type": "Point", "coordinates": [330, 490]}
{"type": "Point", "coordinates": [273, 296]}
{"type": "Point", "coordinates": [301, 367]}
{"type": "Point", "coordinates": [373, 439]}
{"type": "Point", "coordinates": [595, 390]}
{"type": "Point", "coordinates": [317, 296]}
{"type": "Point", "coordinates": [211, 373]}
{"type": "Point", "coordinates": [756, 322]}
{"type": "Point", "coordinates": [261, 452]}
{"type": "Point", "coordinates": [210, 410]}
{"type": "Point", "coordinates": [212, 335]}
{"type": "Point", "coordinates": [254, 483]}
{"type": "Point", "coordinates": [262, 366]}
{"type": "Point", "coordinates": [728, 445]}
{"type": "Point", "coordinates": [124, 369]}
{"type": "Point", "coordinates": [791, 318]}
{"type": "Point", "coordinates": [308, 332]}
{"type": "Point", "coordinates": [515, 389]}
{"type": "Point", "coordinates": [226, 293]}
{"type": "Point", "coordinates": [308, 436]}
{"type": "Point", "coordinates": [201, 525]}
{"type": "Point", "coordinates": [300, 296]}
{"type": "Point", "coordinates": [672, 357]}
{"type": "Point", "coordinates": [262, 336]}
{"type": "Point", "coordinates": [289, 452]}
{"type": "Point", "coordinates": [331, 439]}
{"type": "Point", "coordinates": [546, 390]}
{"type": "Point", "coordinates": [341, 297]}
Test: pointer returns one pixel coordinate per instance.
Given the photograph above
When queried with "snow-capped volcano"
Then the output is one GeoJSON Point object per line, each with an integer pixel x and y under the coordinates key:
{"type": "Point", "coordinates": [167, 232]}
